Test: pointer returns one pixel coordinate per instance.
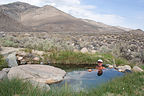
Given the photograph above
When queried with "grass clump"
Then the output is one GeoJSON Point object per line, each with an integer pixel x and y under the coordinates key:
{"type": "Point", "coordinates": [3, 63]}
{"type": "Point", "coordinates": [70, 57]}
{"type": "Point", "coordinates": [16, 87]}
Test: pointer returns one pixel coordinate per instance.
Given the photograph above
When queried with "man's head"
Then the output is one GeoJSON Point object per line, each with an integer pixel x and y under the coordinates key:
{"type": "Point", "coordinates": [100, 62]}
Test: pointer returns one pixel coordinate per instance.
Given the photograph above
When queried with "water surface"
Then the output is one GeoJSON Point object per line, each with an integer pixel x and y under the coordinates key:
{"type": "Point", "coordinates": [81, 80]}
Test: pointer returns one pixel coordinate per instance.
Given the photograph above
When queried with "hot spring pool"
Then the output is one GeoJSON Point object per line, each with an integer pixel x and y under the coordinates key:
{"type": "Point", "coordinates": [81, 80]}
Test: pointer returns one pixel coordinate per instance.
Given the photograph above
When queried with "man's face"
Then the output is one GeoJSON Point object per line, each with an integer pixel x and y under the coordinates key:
{"type": "Point", "coordinates": [100, 63]}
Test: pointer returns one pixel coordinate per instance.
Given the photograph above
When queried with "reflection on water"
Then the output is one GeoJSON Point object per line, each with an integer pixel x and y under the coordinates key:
{"type": "Point", "coordinates": [80, 80]}
{"type": "Point", "coordinates": [100, 72]}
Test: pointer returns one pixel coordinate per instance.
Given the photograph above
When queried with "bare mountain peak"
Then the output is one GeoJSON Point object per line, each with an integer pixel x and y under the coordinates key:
{"type": "Point", "coordinates": [52, 8]}
{"type": "Point", "coordinates": [48, 6]}
{"type": "Point", "coordinates": [15, 9]}
{"type": "Point", "coordinates": [18, 3]}
{"type": "Point", "coordinates": [17, 6]}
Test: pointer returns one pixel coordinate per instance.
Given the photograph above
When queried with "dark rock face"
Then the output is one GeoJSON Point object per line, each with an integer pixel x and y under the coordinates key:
{"type": "Point", "coordinates": [14, 9]}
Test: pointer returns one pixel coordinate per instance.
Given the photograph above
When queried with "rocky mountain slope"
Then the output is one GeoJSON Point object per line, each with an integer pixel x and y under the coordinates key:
{"type": "Point", "coordinates": [14, 10]}
{"type": "Point", "coordinates": [26, 17]}
{"type": "Point", "coordinates": [9, 24]}
{"type": "Point", "coordinates": [51, 19]}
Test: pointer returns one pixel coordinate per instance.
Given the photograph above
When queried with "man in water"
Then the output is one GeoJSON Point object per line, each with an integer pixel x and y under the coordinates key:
{"type": "Point", "coordinates": [100, 67]}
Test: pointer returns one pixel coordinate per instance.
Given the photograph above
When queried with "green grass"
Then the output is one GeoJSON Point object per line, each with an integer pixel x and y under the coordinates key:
{"type": "Point", "coordinates": [70, 57]}
{"type": "Point", "coordinates": [142, 66]}
{"type": "Point", "coordinates": [3, 63]}
{"type": "Point", "coordinates": [16, 87]}
{"type": "Point", "coordinates": [129, 85]}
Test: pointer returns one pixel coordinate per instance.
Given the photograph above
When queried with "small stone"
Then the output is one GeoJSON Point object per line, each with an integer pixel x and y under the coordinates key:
{"type": "Point", "coordinates": [84, 50]}
{"type": "Point", "coordinates": [36, 59]}
{"type": "Point", "coordinates": [41, 63]}
{"type": "Point", "coordinates": [75, 50]}
{"type": "Point", "coordinates": [23, 62]}
{"type": "Point", "coordinates": [19, 58]}
{"type": "Point", "coordinates": [26, 34]}
{"type": "Point", "coordinates": [110, 66]}
{"type": "Point", "coordinates": [137, 69]}
{"type": "Point", "coordinates": [127, 67]}
{"type": "Point", "coordinates": [93, 51]}
{"type": "Point", "coordinates": [123, 68]}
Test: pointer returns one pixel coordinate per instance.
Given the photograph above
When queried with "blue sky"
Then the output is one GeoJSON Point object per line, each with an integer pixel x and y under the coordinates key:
{"type": "Point", "coordinates": [131, 10]}
{"type": "Point", "coordinates": [125, 13]}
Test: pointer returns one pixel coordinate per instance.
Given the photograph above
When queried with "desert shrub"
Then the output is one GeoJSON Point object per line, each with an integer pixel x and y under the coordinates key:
{"type": "Point", "coordinates": [46, 45]}
{"type": "Point", "coordinates": [8, 43]}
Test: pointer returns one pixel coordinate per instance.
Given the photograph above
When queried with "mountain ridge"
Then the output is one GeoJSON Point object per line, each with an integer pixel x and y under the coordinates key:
{"type": "Point", "coordinates": [51, 19]}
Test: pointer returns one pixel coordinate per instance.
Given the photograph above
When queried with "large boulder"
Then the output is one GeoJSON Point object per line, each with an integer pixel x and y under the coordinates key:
{"type": "Point", "coordinates": [11, 59]}
{"type": "Point", "coordinates": [137, 69]}
{"type": "Point", "coordinates": [38, 73]}
{"type": "Point", "coordinates": [3, 75]}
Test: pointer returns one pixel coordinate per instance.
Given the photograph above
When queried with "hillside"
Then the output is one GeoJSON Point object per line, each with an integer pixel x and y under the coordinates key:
{"type": "Point", "coordinates": [9, 24]}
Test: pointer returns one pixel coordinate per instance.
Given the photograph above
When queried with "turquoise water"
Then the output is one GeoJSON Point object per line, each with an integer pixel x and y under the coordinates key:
{"type": "Point", "coordinates": [81, 80]}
